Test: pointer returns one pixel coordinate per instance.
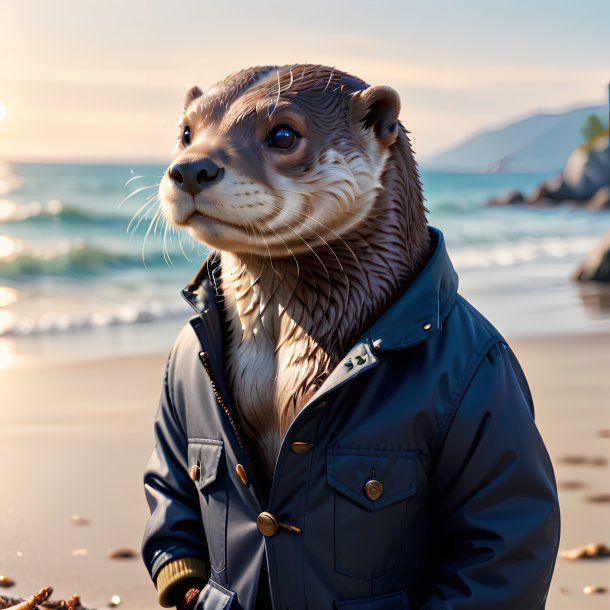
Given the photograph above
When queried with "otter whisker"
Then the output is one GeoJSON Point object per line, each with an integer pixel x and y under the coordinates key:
{"type": "Point", "coordinates": [329, 79]}
{"type": "Point", "coordinates": [328, 292]}
{"type": "Point", "coordinates": [137, 192]}
{"type": "Point", "coordinates": [321, 238]}
{"type": "Point", "coordinates": [157, 212]}
{"type": "Point", "coordinates": [142, 212]}
{"type": "Point", "coordinates": [157, 224]}
{"type": "Point", "coordinates": [179, 233]}
{"type": "Point", "coordinates": [296, 262]}
{"type": "Point", "coordinates": [164, 250]}
{"type": "Point", "coordinates": [133, 178]}
{"type": "Point", "coordinates": [263, 305]}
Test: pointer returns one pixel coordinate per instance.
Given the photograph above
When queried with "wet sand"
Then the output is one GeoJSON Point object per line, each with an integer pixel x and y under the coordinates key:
{"type": "Point", "coordinates": [74, 439]}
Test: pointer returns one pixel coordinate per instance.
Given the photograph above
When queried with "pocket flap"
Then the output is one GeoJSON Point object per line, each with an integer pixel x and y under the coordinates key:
{"type": "Point", "coordinates": [389, 601]}
{"type": "Point", "coordinates": [349, 470]}
{"type": "Point", "coordinates": [215, 597]}
{"type": "Point", "coordinates": [203, 459]}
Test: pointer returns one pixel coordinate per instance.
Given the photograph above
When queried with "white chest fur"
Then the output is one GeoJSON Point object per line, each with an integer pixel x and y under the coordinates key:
{"type": "Point", "coordinates": [271, 362]}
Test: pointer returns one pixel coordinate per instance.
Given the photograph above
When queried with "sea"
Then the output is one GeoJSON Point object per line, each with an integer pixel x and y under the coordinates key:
{"type": "Point", "coordinates": [87, 271]}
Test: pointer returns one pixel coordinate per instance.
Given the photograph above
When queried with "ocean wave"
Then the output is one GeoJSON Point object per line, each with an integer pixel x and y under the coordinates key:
{"type": "Point", "coordinates": [518, 253]}
{"type": "Point", "coordinates": [69, 258]}
{"type": "Point", "coordinates": [54, 210]}
{"type": "Point", "coordinates": [451, 207]}
{"type": "Point", "coordinates": [53, 323]}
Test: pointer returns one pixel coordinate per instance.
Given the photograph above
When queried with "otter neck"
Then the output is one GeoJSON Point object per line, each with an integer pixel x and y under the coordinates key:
{"type": "Point", "coordinates": [292, 319]}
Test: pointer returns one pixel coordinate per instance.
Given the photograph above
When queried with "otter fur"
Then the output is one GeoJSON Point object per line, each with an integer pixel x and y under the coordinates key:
{"type": "Point", "coordinates": [301, 179]}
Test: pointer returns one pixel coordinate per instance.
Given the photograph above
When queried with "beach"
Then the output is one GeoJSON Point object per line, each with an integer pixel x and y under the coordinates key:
{"type": "Point", "coordinates": [76, 439]}
{"type": "Point", "coordinates": [89, 311]}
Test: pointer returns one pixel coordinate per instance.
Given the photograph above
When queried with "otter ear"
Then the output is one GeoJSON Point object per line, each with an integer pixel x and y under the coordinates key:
{"type": "Point", "coordinates": [192, 93]}
{"type": "Point", "coordinates": [377, 107]}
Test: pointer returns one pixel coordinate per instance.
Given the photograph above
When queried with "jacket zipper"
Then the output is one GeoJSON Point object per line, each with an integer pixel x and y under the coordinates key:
{"type": "Point", "coordinates": [203, 356]}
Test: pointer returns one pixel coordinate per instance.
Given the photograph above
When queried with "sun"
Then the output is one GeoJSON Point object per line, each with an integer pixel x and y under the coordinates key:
{"type": "Point", "coordinates": [2, 111]}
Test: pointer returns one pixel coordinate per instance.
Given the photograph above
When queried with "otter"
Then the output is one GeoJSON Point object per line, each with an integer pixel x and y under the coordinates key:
{"type": "Point", "coordinates": [302, 182]}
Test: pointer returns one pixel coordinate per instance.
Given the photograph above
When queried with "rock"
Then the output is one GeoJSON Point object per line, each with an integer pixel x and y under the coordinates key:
{"type": "Point", "coordinates": [545, 192]}
{"type": "Point", "coordinates": [570, 485]}
{"type": "Point", "coordinates": [592, 589]}
{"type": "Point", "coordinates": [6, 581]}
{"type": "Point", "coordinates": [588, 551]}
{"type": "Point", "coordinates": [79, 520]}
{"type": "Point", "coordinates": [596, 267]}
{"type": "Point", "coordinates": [115, 601]}
{"type": "Point", "coordinates": [583, 460]}
{"type": "Point", "coordinates": [601, 200]}
{"type": "Point", "coordinates": [599, 498]}
{"type": "Point", "coordinates": [507, 198]}
{"type": "Point", "coordinates": [586, 171]}
{"type": "Point", "coordinates": [584, 181]}
{"type": "Point", "coordinates": [123, 553]}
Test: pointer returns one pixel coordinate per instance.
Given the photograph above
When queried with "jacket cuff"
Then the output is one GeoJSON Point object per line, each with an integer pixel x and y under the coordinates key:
{"type": "Point", "coordinates": [175, 571]}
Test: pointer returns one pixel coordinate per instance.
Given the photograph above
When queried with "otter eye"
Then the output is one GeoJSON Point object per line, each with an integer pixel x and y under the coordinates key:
{"type": "Point", "coordinates": [186, 136]}
{"type": "Point", "coordinates": [283, 137]}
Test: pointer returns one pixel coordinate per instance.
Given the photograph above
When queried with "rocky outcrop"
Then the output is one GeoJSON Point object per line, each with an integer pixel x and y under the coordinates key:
{"type": "Point", "coordinates": [584, 182]}
{"type": "Point", "coordinates": [596, 267]}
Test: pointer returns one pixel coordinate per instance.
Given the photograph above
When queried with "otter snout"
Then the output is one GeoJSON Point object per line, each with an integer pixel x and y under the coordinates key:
{"type": "Point", "coordinates": [193, 176]}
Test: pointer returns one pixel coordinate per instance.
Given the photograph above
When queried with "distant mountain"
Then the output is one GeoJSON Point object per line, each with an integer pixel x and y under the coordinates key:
{"type": "Point", "coordinates": [539, 143]}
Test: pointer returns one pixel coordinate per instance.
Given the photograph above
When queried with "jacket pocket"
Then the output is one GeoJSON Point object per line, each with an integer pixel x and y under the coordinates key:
{"type": "Point", "coordinates": [390, 601]}
{"type": "Point", "coordinates": [206, 471]}
{"type": "Point", "coordinates": [372, 489]}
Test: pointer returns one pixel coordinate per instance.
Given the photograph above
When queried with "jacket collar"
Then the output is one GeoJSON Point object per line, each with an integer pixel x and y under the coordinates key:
{"type": "Point", "coordinates": [414, 317]}
{"type": "Point", "coordinates": [420, 310]}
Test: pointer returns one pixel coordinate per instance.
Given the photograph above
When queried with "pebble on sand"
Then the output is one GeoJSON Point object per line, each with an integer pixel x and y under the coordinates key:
{"type": "Point", "coordinates": [583, 460]}
{"type": "Point", "coordinates": [588, 551]}
{"type": "Point", "coordinates": [570, 485]}
{"type": "Point", "coordinates": [115, 601]}
{"type": "Point", "coordinates": [590, 589]}
{"type": "Point", "coordinates": [79, 520]}
{"type": "Point", "coordinates": [123, 553]}
{"type": "Point", "coordinates": [6, 581]}
{"type": "Point", "coordinates": [599, 499]}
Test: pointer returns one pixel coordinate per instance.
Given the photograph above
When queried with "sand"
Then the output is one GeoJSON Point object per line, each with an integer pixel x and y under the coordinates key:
{"type": "Point", "coordinates": [74, 439]}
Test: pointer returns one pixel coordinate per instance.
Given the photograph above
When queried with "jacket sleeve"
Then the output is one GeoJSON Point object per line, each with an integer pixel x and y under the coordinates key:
{"type": "Point", "coordinates": [174, 546]}
{"type": "Point", "coordinates": [498, 515]}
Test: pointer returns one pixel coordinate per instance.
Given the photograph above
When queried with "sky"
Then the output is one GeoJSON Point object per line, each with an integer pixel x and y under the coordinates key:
{"type": "Point", "coordinates": [103, 80]}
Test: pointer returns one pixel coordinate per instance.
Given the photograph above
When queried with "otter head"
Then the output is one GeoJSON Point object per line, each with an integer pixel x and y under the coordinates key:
{"type": "Point", "coordinates": [279, 160]}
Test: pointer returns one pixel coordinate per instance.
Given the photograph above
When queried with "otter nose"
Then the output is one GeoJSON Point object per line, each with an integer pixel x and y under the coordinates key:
{"type": "Point", "coordinates": [192, 176]}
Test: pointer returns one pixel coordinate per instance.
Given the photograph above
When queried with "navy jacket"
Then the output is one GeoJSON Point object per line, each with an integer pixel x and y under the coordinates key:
{"type": "Point", "coordinates": [415, 478]}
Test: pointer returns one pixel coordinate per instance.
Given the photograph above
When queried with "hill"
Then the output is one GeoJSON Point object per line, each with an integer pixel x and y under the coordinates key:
{"type": "Point", "coordinates": [538, 143]}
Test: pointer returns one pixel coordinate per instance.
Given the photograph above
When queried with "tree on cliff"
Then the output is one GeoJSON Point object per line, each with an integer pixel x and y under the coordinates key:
{"type": "Point", "coordinates": [593, 129]}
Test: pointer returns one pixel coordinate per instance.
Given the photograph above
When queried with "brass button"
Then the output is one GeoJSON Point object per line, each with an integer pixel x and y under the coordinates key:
{"type": "Point", "coordinates": [194, 472]}
{"type": "Point", "coordinates": [301, 447]}
{"type": "Point", "coordinates": [427, 326]}
{"type": "Point", "coordinates": [373, 489]}
{"type": "Point", "coordinates": [241, 473]}
{"type": "Point", "coordinates": [267, 524]}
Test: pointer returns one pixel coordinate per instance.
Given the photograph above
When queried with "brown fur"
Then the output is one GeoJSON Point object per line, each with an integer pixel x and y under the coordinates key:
{"type": "Point", "coordinates": [295, 306]}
